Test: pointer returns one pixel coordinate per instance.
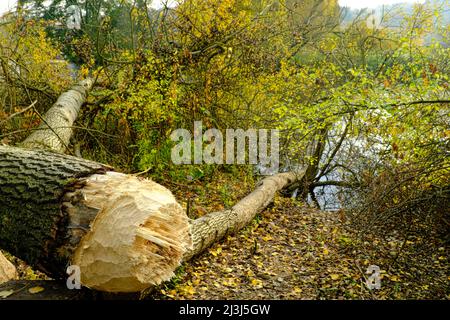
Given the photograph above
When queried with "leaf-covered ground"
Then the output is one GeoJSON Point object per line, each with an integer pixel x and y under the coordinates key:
{"type": "Point", "coordinates": [292, 251]}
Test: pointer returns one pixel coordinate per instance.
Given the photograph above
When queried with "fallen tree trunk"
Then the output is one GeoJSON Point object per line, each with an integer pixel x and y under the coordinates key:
{"type": "Point", "coordinates": [214, 226]}
{"type": "Point", "coordinates": [32, 186]}
{"type": "Point", "coordinates": [56, 128]}
{"type": "Point", "coordinates": [124, 233]}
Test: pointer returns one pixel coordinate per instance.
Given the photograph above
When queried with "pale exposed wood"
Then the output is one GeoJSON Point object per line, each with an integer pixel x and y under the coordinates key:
{"type": "Point", "coordinates": [56, 128]}
{"type": "Point", "coordinates": [7, 270]}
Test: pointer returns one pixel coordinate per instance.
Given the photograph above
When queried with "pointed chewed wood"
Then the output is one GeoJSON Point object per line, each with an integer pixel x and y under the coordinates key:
{"type": "Point", "coordinates": [138, 237]}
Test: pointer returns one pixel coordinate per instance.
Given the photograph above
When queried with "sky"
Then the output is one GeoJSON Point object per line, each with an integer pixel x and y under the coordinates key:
{"type": "Point", "coordinates": [357, 4]}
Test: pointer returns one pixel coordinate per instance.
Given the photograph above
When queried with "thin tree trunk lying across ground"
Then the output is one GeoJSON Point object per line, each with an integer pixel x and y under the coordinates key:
{"type": "Point", "coordinates": [212, 227]}
{"type": "Point", "coordinates": [56, 128]}
{"type": "Point", "coordinates": [125, 233]}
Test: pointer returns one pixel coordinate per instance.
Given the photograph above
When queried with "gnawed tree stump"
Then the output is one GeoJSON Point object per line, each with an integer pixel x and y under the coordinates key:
{"type": "Point", "coordinates": [125, 233]}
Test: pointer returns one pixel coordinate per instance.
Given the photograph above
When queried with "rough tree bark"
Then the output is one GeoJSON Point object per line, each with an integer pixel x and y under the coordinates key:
{"type": "Point", "coordinates": [32, 186]}
{"type": "Point", "coordinates": [125, 233]}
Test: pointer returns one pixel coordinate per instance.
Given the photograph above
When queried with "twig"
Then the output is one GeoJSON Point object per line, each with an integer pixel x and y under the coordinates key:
{"type": "Point", "coordinates": [18, 113]}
